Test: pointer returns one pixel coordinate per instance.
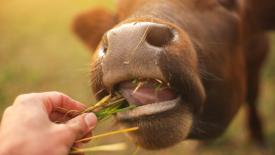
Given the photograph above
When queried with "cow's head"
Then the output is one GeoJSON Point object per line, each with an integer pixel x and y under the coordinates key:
{"type": "Point", "coordinates": [173, 42]}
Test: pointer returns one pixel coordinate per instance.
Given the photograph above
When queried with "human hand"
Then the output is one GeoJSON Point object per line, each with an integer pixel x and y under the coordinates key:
{"type": "Point", "coordinates": [28, 127]}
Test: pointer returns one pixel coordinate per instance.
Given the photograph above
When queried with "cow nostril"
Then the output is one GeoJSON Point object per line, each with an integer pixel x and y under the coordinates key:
{"type": "Point", "coordinates": [159, 36]}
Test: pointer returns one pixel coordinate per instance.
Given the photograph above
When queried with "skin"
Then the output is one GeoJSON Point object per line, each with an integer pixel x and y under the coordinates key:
{"type": "Point", "coordinates": [214, 65]}
{"type": "Point", "coordinates": [28, 127]}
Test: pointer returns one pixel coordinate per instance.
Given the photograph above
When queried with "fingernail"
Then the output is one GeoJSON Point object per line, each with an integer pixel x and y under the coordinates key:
{"type": "Point", "coordinates": [90, 120]}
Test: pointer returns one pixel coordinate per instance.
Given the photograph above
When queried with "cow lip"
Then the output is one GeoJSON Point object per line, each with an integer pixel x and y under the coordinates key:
{"type": "Point", "coordinates": [148, 110]}
{"type": "Point", "coordinates": [146, 98]}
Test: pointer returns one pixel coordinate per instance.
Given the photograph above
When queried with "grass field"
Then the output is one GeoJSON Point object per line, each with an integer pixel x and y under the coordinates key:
{"type": "Point", "coordinates": [38, 52]}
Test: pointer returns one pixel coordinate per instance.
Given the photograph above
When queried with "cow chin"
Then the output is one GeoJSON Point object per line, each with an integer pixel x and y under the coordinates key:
{"type": "Point", "coordinates": [160, 130]}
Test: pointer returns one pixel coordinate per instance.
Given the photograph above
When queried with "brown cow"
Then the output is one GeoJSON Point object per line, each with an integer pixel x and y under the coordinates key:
{"type": "Point", "coordinates": [208, 54]}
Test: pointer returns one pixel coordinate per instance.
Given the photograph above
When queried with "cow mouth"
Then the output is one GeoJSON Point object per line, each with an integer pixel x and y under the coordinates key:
{"type": "Point", "coordinates": [149, 96]}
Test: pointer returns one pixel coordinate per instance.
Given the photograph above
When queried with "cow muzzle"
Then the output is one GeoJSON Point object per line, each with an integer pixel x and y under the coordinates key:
{"type": "Point", "coordinates": [157, 55]}
{"type": "Point", "coordinates": [133, 50]}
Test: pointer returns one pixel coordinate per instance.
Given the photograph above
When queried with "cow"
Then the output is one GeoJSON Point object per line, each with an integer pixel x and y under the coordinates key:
{"type": "Point", "coordinates": [207, 54]}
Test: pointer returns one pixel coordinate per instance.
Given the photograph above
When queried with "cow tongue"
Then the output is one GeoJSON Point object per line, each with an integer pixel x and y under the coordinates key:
{"type": "Point", "coordinates": [146, 93]}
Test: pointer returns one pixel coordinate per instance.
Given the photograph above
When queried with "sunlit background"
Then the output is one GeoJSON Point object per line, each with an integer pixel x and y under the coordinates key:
{"type": "Point", "coordinates": [38, 52]}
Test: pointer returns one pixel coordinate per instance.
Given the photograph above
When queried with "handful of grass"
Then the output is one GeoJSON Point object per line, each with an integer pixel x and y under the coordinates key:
{"type": "Point", "coordinates": [108, 106]}
{"type": "Point", "coordinates": [104, 109]}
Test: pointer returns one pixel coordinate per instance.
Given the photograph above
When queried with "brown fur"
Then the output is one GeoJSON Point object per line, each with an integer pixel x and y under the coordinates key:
{"type": "Point", "coordinates": [222, 49]}
{"type": "Point", "coordinates": [258, 16]}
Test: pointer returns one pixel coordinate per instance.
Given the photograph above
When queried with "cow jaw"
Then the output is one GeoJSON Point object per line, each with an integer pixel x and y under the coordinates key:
{"type": "Point", "coordinates": [161, 125]}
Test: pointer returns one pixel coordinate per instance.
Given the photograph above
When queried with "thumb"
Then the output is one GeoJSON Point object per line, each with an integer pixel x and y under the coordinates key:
{"type": "Point", "coordinates": [79, 126]}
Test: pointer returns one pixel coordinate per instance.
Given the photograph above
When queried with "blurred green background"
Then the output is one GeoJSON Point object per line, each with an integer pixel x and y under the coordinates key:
{"type": "Point", "coordinates": [38, 52]}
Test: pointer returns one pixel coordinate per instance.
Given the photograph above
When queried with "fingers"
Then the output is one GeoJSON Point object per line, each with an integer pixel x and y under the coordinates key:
{"type": "Point", "coordinates": [78, 127]}
{"type": "Point", "coordinates": [51, 101]}
{"type": "Point", "coordinates": [54, 100]}
{"type": "Point", "coordinates": [59, 117]}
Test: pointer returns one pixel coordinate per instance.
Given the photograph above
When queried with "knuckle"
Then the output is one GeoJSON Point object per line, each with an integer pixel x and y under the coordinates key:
{"type": "Point", "coordinates": [70, 132]}
{"type": "Point", "coordinates": [8, 110]}
{"type": "Point", "coordinates": [62, 129]}
{"type": "Point", "coordinates": [57, 93]}
{"type": "Point", "coordinates": [24, 99]}
{"type": "Point", "coordinates": [21, 98]}
{"type": "Point", "coordinates": [79, 128]}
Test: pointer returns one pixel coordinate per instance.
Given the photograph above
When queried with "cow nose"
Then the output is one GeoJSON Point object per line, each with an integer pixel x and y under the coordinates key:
{"type": "Point", "coordinates": [133, 51]}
